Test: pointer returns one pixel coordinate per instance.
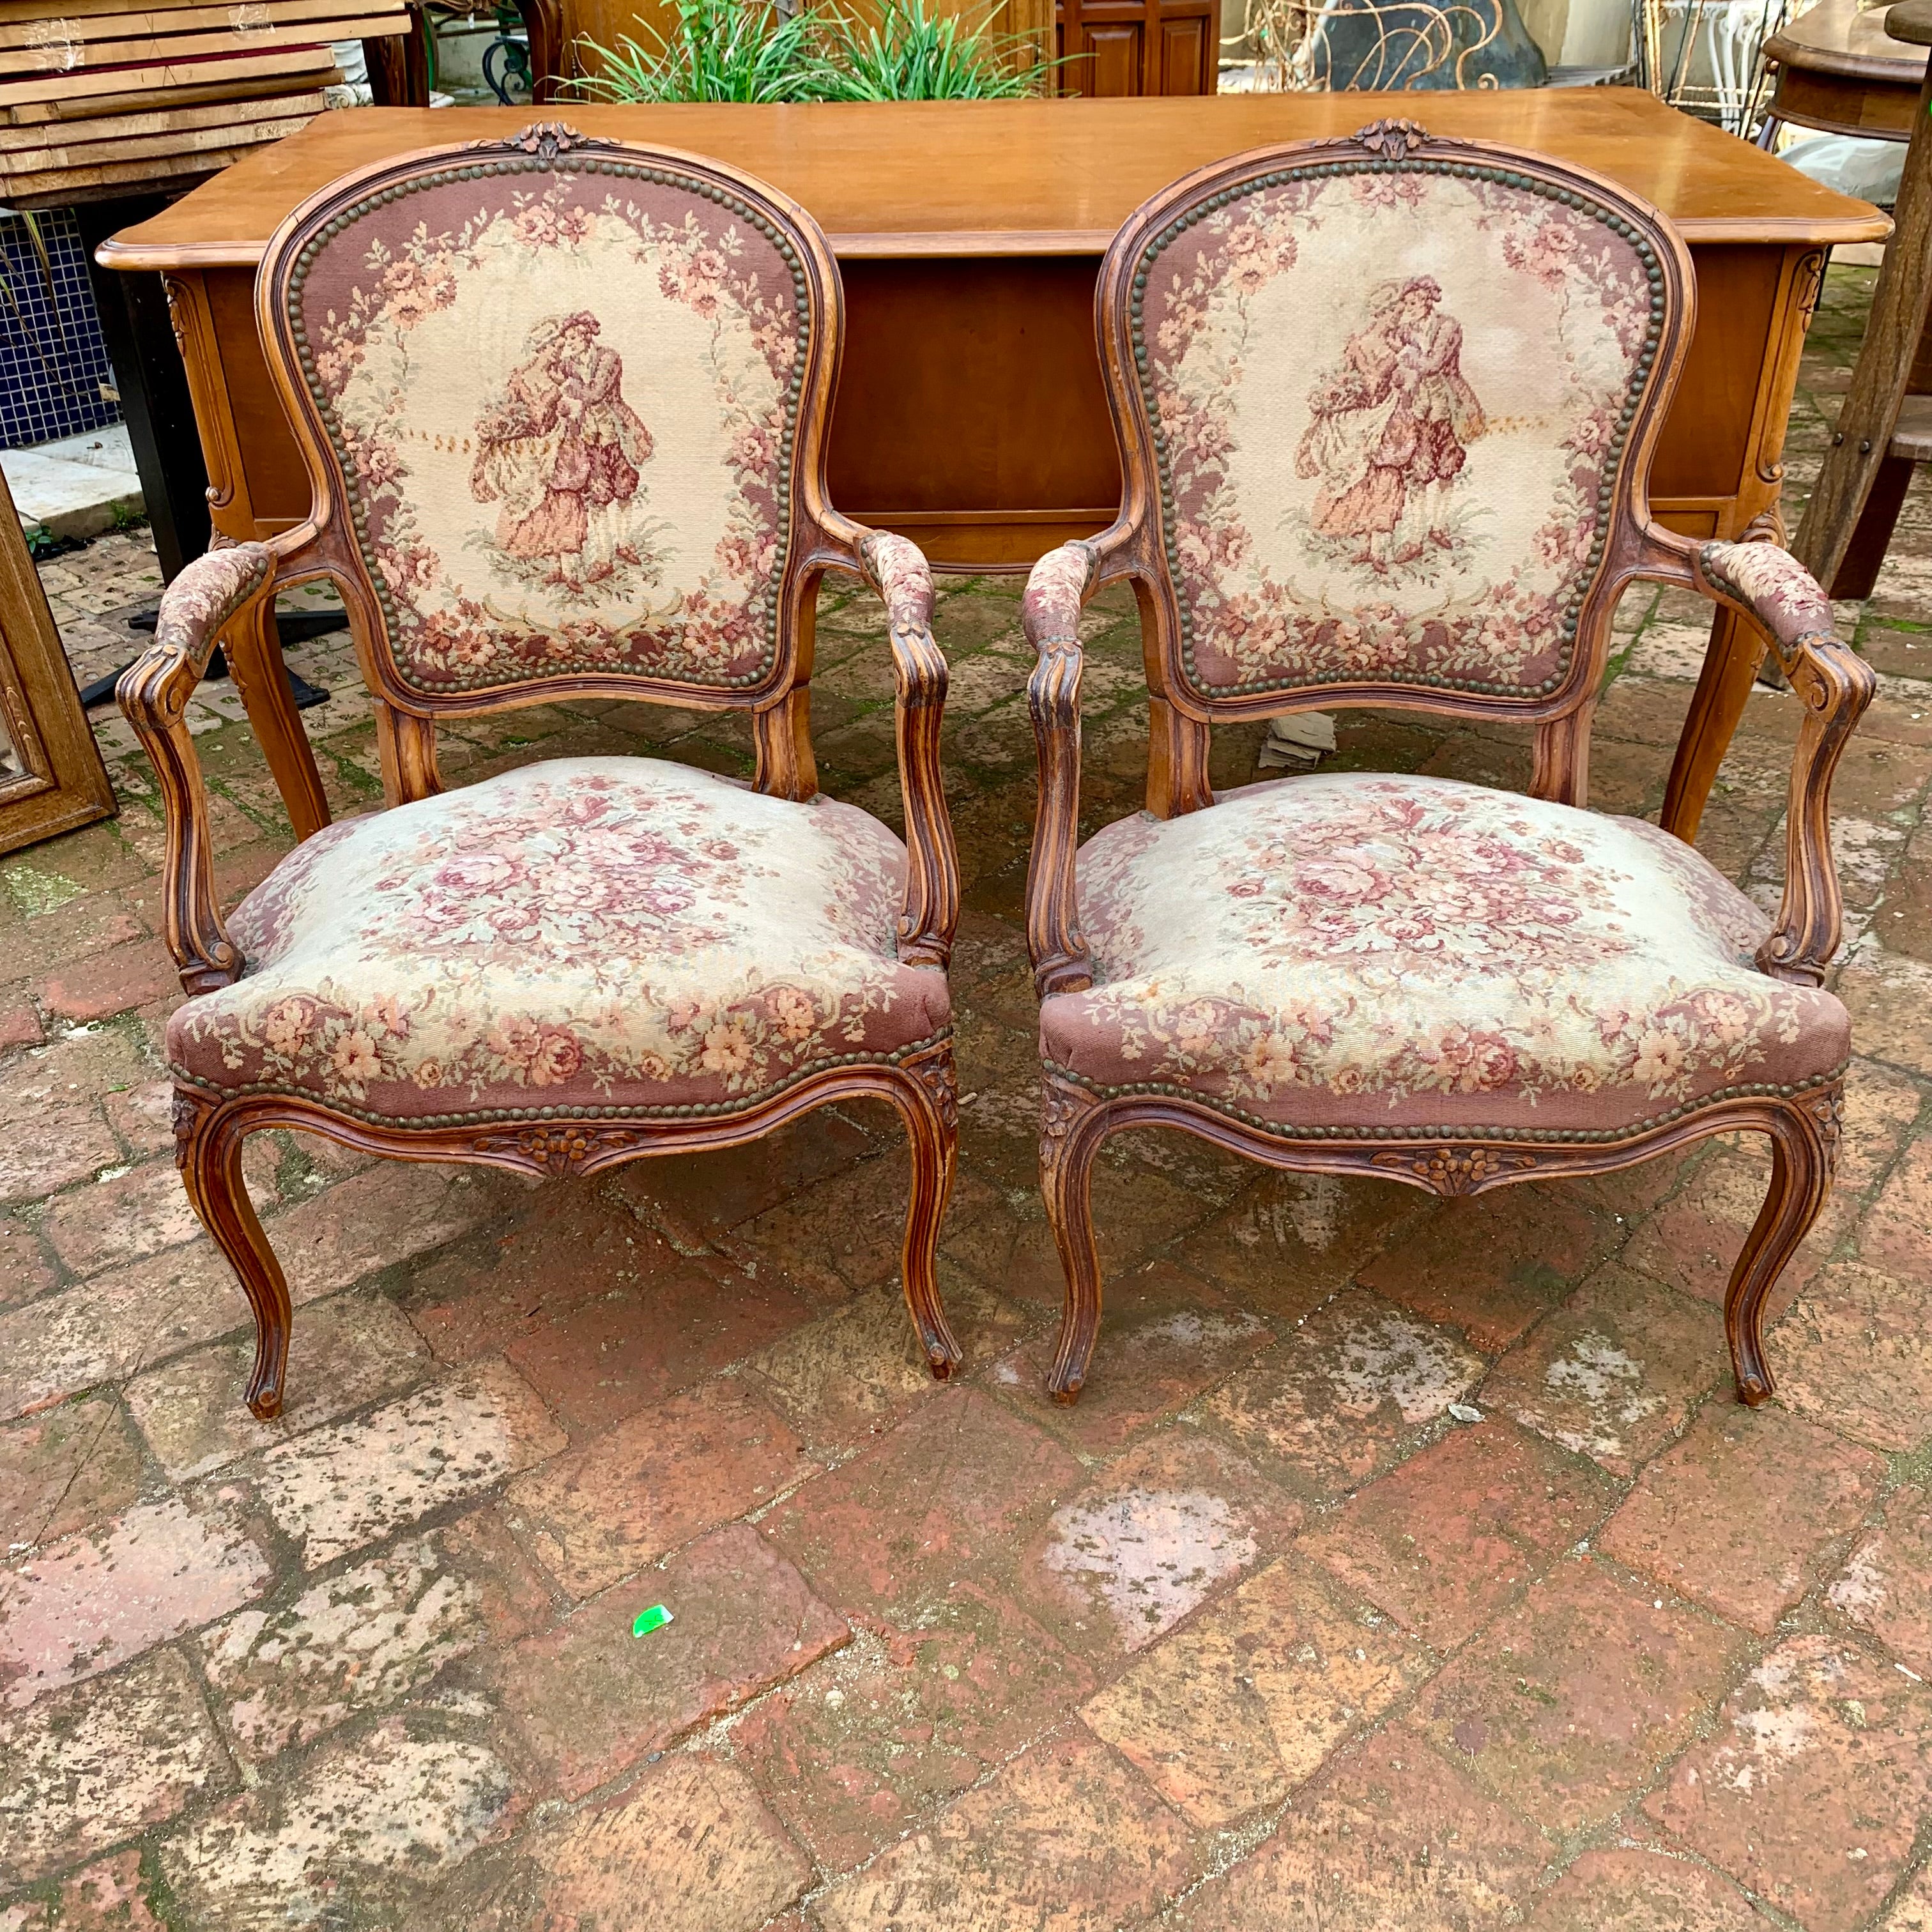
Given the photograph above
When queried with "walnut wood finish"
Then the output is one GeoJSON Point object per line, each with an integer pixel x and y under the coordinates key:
{"type": "Point", "coordinates": [1834, 685]}
{"type": "Point", "coordinates": [221, 593]}
{"type": "Point", "coordinates": [1838, 70]}
{"type": "Point", "coordinates": [971, 414]}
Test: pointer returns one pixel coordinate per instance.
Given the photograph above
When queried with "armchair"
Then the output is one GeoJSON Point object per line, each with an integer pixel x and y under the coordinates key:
{"type": "Point", "coordinates": [563, 402]}
{"type": "Point", "coordinates": [1426, 490]}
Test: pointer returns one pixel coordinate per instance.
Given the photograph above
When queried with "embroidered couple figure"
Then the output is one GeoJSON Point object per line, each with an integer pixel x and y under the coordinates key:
{"type": "Point", "coordinates": [1393, 422]}
{"type": "Point", "coordinates": [562, 451]}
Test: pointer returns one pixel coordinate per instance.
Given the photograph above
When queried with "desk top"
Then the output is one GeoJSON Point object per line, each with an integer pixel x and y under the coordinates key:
{"type": "Point", "coordinates": [1029, 177]}
{"type": "Point", "coordinates": [1842, 37]}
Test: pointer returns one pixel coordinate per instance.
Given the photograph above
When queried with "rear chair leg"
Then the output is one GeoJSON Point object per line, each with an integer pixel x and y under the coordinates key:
{"type": "Point", "coordinates": [1803, 1150]}
{"type": "Point", "coordinates": [207, 1149]}
{"type": "Point", "coordinates": [1073, 1123]}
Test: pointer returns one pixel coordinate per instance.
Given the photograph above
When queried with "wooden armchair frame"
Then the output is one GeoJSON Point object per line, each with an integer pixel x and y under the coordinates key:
{"type": "Point", "coordinates": [221, 590]}
{"type": "Point", "coordinates": [1758, 579]}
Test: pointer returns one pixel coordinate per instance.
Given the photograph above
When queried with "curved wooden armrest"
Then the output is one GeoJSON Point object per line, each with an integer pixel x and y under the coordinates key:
{"type": "Point", "coordinates": [1835, 685]}
{"type": "Point", "coordinates": [898, 571]}
{"type": "Point", "coordinates": [153, 693]}
{"type": "Point", "coordinates": [1059, 587]}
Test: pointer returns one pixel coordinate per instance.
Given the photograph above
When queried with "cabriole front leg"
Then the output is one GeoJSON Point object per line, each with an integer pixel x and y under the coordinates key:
{"type": "Point", "coordinates": [928, 1102]}
{"type": "Point", "coordinates": [207, 1149]}
{"type": "Point", "coordinates": [1073, 1124]}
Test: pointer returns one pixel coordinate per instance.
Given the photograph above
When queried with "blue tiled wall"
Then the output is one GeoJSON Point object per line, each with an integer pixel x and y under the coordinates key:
{"type": "Point", "coordinates": [50, 377]}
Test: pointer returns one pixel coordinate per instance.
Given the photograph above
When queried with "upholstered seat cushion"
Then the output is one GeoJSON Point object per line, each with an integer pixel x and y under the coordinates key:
{"type": "Point", "coordinates": [601, 932]}
{"type": "Point", "coordinates": [1345, 948]}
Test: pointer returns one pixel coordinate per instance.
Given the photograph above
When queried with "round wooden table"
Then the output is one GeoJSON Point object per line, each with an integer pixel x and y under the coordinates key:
{"type": "Point", "coordinates": [1839, 71]}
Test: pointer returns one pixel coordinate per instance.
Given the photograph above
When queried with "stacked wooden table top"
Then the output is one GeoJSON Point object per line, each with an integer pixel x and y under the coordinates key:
{"type": "Point", "coordinates": [105, 97]}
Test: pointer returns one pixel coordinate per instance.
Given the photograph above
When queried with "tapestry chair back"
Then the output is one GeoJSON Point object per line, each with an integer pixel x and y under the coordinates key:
{"type": "Point", "coordinates": [1387, 405]}
{"type": "Point", "coordinates": [564, 403]}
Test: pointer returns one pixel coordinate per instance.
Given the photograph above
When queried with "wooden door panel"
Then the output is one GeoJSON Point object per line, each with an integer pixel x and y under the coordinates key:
{"type": "Point", "coordinates": [1186, 55]}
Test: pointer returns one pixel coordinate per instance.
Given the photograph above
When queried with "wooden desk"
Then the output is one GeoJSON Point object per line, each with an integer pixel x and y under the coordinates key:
{"type": "Point", "coordinates": [1840, 72]}
{"type": "Point", "coordinates": [970, 415]}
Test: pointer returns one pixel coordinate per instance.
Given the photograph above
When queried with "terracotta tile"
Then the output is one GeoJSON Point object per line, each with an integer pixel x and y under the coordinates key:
{"type": "Point", "coordinates": [689, 1847]}
{"type": "Point", "coordinates": [694, 1197]}
{"type": "Point", "coordinates": [363, 1826]}
{"type": "Point", "coordinates": [832, 1239]}
{"type": "Point", "coordinates": [1633, 1890]}
{"type": "Point", "coordinates": [635, 1342]}
{"type": "Point", "coordinates": [590, 1698]}
{"type": "Point", "coordinates": [1912, 1910]}
{"type": "Point", "coordinates": [113, 1221]}
{"type": "Point", "coordinates": [942, 1498]}
{"type": "Point", "coordinates": [568, 1246]}
{"type": "Point", "coordinates": [338, 1489]}
{"type": "Point", "coordinates": [1290, 1240]}
{"type": "Point", "coordinates": [1063, 1836]}
{"type": "Point", "coordinates": [343, 1352]}
{"type": "Point", "coordinates": [1150, 1538]}
{"type": "Point", "coordinates": [108, 1896]}
{"type": "Point", "coordinates": [1615, 1373]}
{"type": "Point", "coordinates": [1448, 1538]}
{"type": "Point", "coordinates": [1492, 1263]}
{"type": "Point", "coordinates": [1854, 1355]}
{"type": "Point", "coordinates": [26, 1267]}
{"type": "Point", "coordinates": [89, 1766]}
{"type": "Point", "coordinates": [1226, 1717]}
{"type": "Point", "coordinates": [70, 1142]}
{"type": "Point", "coordinates": [1737, 1515]}
{"type": "Point", "coordinates": [1339, 1397]}
{"type": "Point", "coordinates": [847, 1378]}
{"type": "Point", "coordinates": [143, 1116]}
{"type": "Point", "coordinates": [93, 1600]}
{"type": "Point", "coordinates": [1886, 1586]}
{"type": "Point", "coordinates": [1567, 1702]}
{"type": "Point", "coordinates": [901, 1720]}
{"type": "Point", "coordinates": [1811, 1790]}
{"type": "Point", "coordinates": [1166, 1336]}
{"type": "Point", "coordinates": [1394, 1837]}
{"type": "Point", "coordinates": [371, 1636]}
{"type": "Point", "coordinates": [1893, 1237]}
{"type": "Point", "coordinates": [662, 1477]}
{"type": "Point", "coordinates": [64, 1469]}
{"type": "Point", "coordinates": [112, 982]}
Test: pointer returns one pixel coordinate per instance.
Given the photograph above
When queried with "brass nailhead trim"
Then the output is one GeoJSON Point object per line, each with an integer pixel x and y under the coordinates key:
{"type": "Point", "coordinates": [694, 1110]}
{"type": "Point", "coordinates": [1553, 1137]}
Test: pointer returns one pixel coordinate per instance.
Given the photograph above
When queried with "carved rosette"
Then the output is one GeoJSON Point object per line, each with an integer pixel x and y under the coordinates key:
{"type": "Point", "coordinates": [1060, 1106]}
{"type": "Point", "coordinates": [1828, 1110]}
{"type": "Point", "coordinates": [546, 139]}
{"type": "Point", "coordinates": [1456, 1170]}
{"type": "Point", "coordinates": [565, 1146]}
{"type": "Point", "coordinates": [1393, 139]}
{"type": "Point", "coordinates": [940, 1078]}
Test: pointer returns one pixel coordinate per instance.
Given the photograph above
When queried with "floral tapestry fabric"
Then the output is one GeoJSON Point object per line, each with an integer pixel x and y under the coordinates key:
{"type": "Point", "coordinates": [202, 598]}
{"type": "Point", "coordinates": [1774, 584]}
{"type": "Point", "coordinates": [1347, 949]}
{"type": "Point", "coordinates": [1386, 407]}
{"type": "Point", "coordinates": [562, 401]}
{"type": "Point", "coordinates": [586, 932]}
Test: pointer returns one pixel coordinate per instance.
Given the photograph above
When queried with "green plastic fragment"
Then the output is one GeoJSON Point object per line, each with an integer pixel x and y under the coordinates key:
{"type": "Point", "coordinates": [656, 1618]}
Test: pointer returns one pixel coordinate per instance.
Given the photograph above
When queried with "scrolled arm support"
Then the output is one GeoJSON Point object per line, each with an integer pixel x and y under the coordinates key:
{"type": "Point", "coordinates": [1056, 593]}
{"type": "Point", "coordinates": [153, 693]}
{"type": "Point", "coordinates": [1835, 685]}
{"type": "Point", "coordinates": [898, 571]}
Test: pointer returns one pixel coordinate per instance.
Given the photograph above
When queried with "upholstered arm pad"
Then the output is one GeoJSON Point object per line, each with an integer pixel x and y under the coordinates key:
{"type": "Point", "coordinates": [153, 693]}
{"type": "Point", "coordinates": [1834, 685]}
{"type": "Point", "coordinates": [1060, 585]}
{"type": "Point", "coordinates": [898, 571]}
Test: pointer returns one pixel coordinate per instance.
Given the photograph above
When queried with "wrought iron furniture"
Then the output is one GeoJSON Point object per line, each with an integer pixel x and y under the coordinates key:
{"type": "Point", "coordinates": [1424, 490]}
{"type": "Point", "coordinates": [563, 403]}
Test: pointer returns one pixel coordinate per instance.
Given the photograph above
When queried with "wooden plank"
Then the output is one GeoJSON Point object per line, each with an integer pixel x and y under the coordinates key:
{"type": "Point", "coordinates": [185, 141]}
{"type": "Point", "coordinates": [263, 87]}
{"type": "Point", "coordinates": [84, 58]}
{"type": "Point", "coordinates": [43, 184]}
{"type": "Point", "coordinates": [75, 134]}
{"type": "Point", "coordinates": [44, 90]}
{"type": "Point", "coordinates": [123, 23]}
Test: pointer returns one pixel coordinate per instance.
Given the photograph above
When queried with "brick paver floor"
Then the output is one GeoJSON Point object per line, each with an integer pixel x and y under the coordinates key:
{"type": "Point", "coordinates": [1407, 1564]}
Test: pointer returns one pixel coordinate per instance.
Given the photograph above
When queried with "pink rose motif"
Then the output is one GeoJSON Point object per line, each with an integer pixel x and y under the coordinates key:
{"type": "Point", "coordinates": [354, 1057]}
{"type": "Point", "coordinates": [557, 1058]}
{"type": "Point", "coordinates": [726, 1050]}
